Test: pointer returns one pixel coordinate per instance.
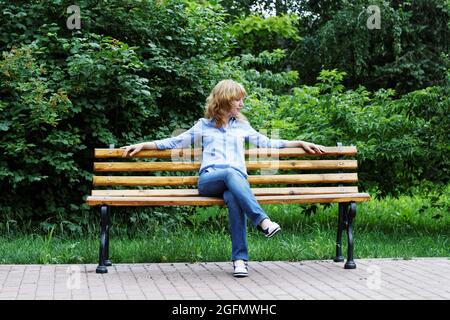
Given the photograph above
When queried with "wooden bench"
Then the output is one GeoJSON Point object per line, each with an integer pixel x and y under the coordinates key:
{"type": "Point", "coordinates": [323, 186]}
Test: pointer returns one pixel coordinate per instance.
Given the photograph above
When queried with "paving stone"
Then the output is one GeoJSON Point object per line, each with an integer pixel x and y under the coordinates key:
{"type": "Point", "coordinates": [373, 279]}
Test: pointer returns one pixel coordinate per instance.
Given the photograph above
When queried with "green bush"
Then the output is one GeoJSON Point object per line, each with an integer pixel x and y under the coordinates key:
{"type": "Point", "coordinates": [53, 116]}
{"type": "Point", "coordinates": [401, 142]}
{"type": "Point", "coordinates": [135, 71]}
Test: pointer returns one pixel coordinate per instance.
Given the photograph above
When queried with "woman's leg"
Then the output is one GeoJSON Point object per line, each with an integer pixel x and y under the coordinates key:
{"type": "Point", "coordinates": [210, 183]}
{"type": "Point", "coordinates": [240, 188]}
{"type": "Point", "coordinates": [238, 228]}
{"type": "Point", "coordinates": [240, 200]}
{"type": "Point", "coordinates": [213, 184]}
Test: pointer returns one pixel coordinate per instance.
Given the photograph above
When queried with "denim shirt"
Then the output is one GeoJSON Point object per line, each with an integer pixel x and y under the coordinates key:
{"type": "Point", "coordinates": [222, 147]}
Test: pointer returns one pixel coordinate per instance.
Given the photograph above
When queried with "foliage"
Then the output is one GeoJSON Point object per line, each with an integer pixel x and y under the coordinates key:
{"type": "Point", "coordinates": [137, 70]}
{"type": "Point", "coordinates": [255, 33]}
{"type": "Point", "coordinates": [400, 141]}
{"type": "Point", "coordinates": [267, 7]}
{"type": "Point", "coordinates": [408, 52]}
{"type": "Point", "coordinates": [52, 117]}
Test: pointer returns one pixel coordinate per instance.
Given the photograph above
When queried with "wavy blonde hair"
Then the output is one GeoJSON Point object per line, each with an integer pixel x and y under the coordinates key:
{"type": "Point", "coordinates": [218, 103]}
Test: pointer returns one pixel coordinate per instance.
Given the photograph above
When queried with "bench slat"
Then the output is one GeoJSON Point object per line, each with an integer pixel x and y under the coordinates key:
{"type": "Point", "coordinates": [207, 201]}
{"type": "Point", "coordinates": [192, 180]}
{"type": "Point", "coordinates": [251, 165]}
{"type": "Point", "coordinates": [194, 192]}
{"type": "Point", "coordinates": [283, 152]}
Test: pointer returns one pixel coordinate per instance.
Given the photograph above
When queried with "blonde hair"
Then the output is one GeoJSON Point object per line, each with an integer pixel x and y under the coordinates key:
{"type": "Point", "coordinates": [218, 103]}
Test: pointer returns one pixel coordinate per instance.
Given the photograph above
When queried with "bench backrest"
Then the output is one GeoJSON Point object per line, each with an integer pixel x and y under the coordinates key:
{"type": "Point", "coordinates": [318, 174]}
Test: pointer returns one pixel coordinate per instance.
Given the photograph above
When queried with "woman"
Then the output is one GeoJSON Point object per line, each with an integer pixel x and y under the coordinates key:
{"type": "Point", "coordinates": [222, 172]}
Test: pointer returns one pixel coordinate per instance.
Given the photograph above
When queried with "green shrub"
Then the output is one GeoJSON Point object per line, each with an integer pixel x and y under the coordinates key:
{"type": "Point", "coordinates": [401, 142]}
{"type": "Point", "coordinates": [135, 71]}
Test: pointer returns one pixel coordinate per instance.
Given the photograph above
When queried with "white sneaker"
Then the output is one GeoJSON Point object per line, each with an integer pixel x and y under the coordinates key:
{"type": "Point", "coordinates": [240, 271]}
{"type": "Point", "coordinates": [271, 230]}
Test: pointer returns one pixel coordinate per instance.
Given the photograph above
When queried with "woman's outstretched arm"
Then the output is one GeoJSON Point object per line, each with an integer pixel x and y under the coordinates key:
{"type": "Point", "coordinates": [307, 146]}
{"type": "Point", "coordinates": [262, 141]}
{"type": "Point", "coordinates": [183, 140]}
{"type": "Point", "coordinates": [135, 148]}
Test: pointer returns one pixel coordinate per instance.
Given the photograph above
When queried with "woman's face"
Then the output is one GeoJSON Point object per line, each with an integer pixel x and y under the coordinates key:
{"type": "Point", "coordinates": [236, 106]}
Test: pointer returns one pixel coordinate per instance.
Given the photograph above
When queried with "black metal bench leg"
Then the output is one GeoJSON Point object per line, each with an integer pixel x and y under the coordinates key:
{"type": "Point", "coordinates": [351, 213]}
{"type": "Point", "coordinates": [101, 268]}
{"type": "Point", "coordinates": [341, 212]}
{"type": "Point", "coordinates": [108, 262]}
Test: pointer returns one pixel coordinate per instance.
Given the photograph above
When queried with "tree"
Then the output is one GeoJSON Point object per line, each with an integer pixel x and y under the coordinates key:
{"type": "Point", "coordinates": [408, 52]}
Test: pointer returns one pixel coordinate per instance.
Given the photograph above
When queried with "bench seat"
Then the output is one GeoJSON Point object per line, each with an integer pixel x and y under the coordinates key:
{"type": "Point", "coordinates": [211, 201]}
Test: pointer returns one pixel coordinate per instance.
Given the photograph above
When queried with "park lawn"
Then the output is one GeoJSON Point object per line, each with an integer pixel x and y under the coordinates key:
{"type": "Point", "coordinates": [404, 227]}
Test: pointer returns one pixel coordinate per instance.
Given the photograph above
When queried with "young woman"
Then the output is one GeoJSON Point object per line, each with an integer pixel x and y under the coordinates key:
{"type": "Point", "coordinates": [222, 133]}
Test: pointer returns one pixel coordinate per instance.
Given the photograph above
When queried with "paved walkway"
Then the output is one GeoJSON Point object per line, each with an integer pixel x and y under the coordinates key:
{"type": "Point", "coordinates": [386, 279]}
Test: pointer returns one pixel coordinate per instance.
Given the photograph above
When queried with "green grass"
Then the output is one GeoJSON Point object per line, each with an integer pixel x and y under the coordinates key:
{"type": "Point", "coordinates": [404, 227]}
{"type": "Point", "coordinates": [216, 246]}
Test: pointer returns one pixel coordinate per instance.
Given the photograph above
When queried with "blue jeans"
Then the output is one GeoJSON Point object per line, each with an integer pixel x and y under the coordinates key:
{"type": "Point", "coordinates": [241, 202]}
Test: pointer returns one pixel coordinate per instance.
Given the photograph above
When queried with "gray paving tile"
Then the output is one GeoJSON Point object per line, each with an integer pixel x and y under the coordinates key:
{"type": "Point", "coordinates": [377, 279]}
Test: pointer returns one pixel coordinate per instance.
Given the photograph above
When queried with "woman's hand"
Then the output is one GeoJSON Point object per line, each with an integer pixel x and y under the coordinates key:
{"type": "Point", "coordinates": [312, 148]}
{"type": "Point", "coordinates": [133, 149]}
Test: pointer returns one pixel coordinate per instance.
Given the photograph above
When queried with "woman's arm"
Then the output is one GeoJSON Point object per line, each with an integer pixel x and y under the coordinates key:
{"type": "Point", "coordinates": [183, 140]}
{"type": "Point", "coordinates": [262, 141]}
{"type": "Point", "coordinates": [135, 148]}
{"type": "Point", "coordinates": [307, 146]}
